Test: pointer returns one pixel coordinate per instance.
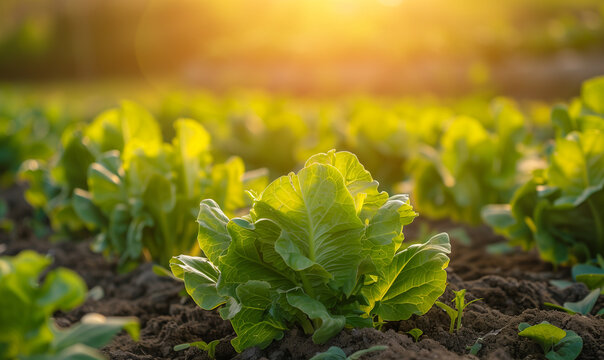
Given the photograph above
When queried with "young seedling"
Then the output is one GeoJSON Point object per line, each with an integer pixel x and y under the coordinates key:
{"type": "Point", "coordinates": [210, 347]}
{"type": "Point", "coordinates": [416, 333]}
{"type": "Point", "coordinates": [456, 314]}
{"type": "Point", "coordinates": [583, 307]}
{"type": "Point", "coordinates": [557, 344]}
{"type": "Point", "coordinates": [336, 353]}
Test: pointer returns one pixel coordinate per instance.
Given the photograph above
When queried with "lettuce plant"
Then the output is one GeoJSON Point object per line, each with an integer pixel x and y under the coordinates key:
{"type": "Point", "coordinates": [322, 249]}
{"type": "Point", "coordinates": [470, 167]}
{"type": "Point", "coordinates": [584, 113]}
{"type": "Point", "coordinates": [559, 210]}
{"type": "Point", "coordinates": [143, 198]}
{"type": "Point", "coordinates": [26, 306]}
{"type": "Point", "coordinates": [117, 177]}
{"type": "Point", "coordinates": [30, 128]}
{"type": "Point", "coordinates": [52, 183]}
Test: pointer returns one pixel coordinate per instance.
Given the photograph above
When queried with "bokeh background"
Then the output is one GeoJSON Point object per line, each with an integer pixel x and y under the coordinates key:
{"type": "Point", "coordinates": [118, 117]}
{"type": "Point", "coordinates": [539, 49]}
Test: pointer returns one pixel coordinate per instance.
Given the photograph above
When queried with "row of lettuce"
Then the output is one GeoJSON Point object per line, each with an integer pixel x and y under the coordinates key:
{"type": "Point", "coordinates": [560, 209]}
{"type": "Point", "coordinates": [321, 248]}
{"type": "Point", "coordinates": [126, 172]}
{"type": "Point", "coordinates": [411, 145]}
{"type": "Point", "coordinates": [116, 177]}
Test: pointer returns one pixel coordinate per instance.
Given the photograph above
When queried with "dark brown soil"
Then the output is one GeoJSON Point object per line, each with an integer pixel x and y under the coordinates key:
{"type": "Point", "coordinates": [20, 214]}
{"type": "Point", "coordinates": [513, 288]}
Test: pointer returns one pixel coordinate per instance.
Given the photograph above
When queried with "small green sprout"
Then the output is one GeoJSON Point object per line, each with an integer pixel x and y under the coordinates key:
{"type": "Point", "coordinates": [416, 333]}
{"type": "Point", "coordinates": [336, 353]}
{"type": "Point", "coordinates": [460, 305]}
{"type": "Point", "coordinates": [210, 347]}
{"type": "Point", "coordinates": [557, 344]}
{"type": "Point", "coordinates": [583, 307]}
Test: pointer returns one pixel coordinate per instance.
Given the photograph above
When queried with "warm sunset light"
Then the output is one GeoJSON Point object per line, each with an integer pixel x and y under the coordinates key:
{"type": "Point", "coordinates": [310, 45]}
{"type": "Point", "coordinates": [301, 179]}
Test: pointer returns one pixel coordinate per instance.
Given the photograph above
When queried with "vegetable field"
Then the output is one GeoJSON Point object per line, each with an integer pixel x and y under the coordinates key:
{"type": "Point", "coordinates": [232, 218]}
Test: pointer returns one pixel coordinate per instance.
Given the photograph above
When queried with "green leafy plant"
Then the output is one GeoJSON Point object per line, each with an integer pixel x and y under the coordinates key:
{"type": "Point", "coordinates": [321, 249]}
{"type": "Point", "coordinates": [143, 198]}
{"type": "Point", "coordinates": [26, 306]}
{"type": "Point", "coordinates": [470, 167]}
{"type": "Point", "coordinates": [559, 210]}
{"type": "Point", "coordinates": [336, 353]}
{"type": "Point", "coordinates": [415, 333]}
{"type": "Point", "coordinates": [118, 178]}
{"type": "Point", "coordinates": [557, 344]}
{"type": "Point", "coordinates": [30, 128]}
{"type": "Point", "coordinates": [456, 314]}
{"type": "Point", "coordinates": [584, 113]}
{"type": "Point", "coordinates": [52, 183]}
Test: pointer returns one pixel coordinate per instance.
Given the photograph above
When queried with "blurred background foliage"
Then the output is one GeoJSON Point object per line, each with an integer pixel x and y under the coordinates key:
{"type": "Point", "coordinates": [458, 103]}
{"type": "Point", "coordinates": [310, 46]}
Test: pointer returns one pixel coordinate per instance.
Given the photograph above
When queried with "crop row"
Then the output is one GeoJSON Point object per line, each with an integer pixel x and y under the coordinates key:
{"type": "Point", "coordinates": [321, 248]}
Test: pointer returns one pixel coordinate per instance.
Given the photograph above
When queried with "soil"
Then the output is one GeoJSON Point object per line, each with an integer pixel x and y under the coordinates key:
{"type": "Point", "coordinates": [513, 288]}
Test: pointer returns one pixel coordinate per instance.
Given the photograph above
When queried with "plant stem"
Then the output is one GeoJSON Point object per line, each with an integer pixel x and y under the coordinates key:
{"type": "Point", "coordinates": [380, 323]}
{"type": "Point", "coordinates": [306, 325]}
{"type": "Point", "coordinates": [459, 313]}
{"type": "Point", "coordinates": [308, 289]}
